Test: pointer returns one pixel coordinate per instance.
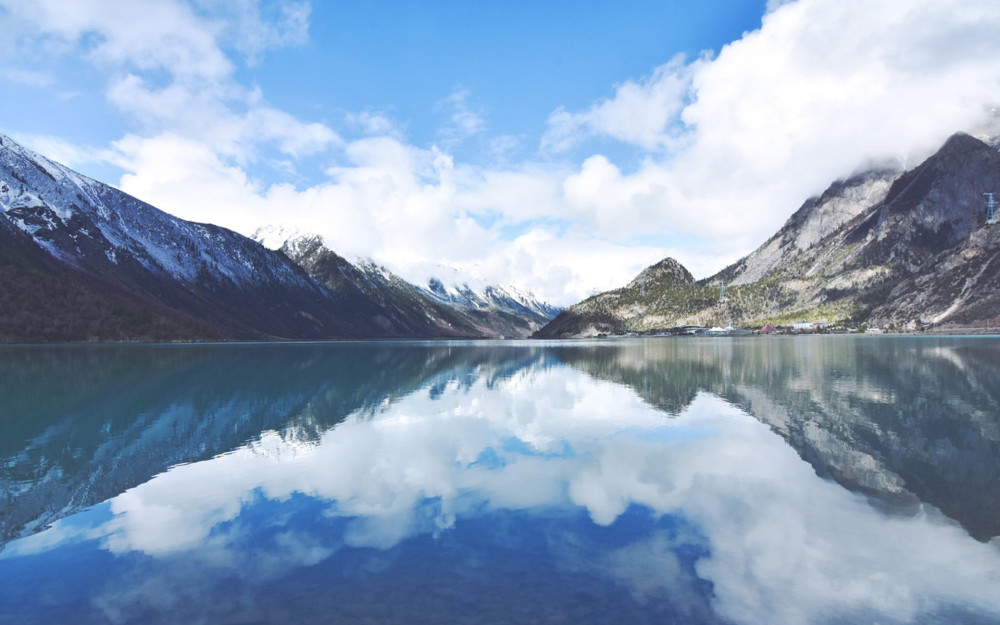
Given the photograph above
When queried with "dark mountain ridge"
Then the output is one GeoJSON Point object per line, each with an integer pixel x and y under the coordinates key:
{"type": "Point", "coordinates": [122, 247]}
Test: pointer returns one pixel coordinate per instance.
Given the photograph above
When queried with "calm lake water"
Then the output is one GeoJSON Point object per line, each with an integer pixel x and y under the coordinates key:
{"type": "Point", "coordinates": [770, 480]}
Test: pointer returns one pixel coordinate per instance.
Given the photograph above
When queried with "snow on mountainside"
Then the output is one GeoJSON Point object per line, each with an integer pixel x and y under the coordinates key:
{"type": "Point", "coordinates": [186, 280]}
{"type": "Point", "coordinates": [90, 224]}
{"type": "Point", "coordinates": [477, 298]}
{"type": "Point", "coordinates": [202, 272]}
{"type": "Point", "coordinates": [437, 310]}
{"type": "Point", "coordinates": [508, 298]}
{"type": "Point", "coordinates": [457, 291]}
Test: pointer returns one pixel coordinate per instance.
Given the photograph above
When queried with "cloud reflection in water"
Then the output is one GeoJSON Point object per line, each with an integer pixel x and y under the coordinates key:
{"type": "Point", "coordinates": [738, 520]}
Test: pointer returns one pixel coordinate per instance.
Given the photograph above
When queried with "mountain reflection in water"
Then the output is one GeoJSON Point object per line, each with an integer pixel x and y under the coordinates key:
{"type": "Point", "coordinates": [708, 481]}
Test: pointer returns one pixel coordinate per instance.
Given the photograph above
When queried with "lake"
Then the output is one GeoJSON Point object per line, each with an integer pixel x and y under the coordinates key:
{"type": "Point", "coordinates": [689, 480]}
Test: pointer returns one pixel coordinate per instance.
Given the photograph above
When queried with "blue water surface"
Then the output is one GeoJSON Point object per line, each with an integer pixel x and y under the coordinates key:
{"type": "Point", "coordinates": [771, 480]}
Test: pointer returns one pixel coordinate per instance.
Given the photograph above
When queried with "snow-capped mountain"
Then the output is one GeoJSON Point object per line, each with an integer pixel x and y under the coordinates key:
{"type": "Point", "coordinates": [91, 225]}
{"type": "Point", "coordinates": [435, 311]}
{"type": "Point", "coordinates": [84, 250]}
{"type": "Point", "coordinates": [508, 298]}
{"type": "Point", "coordinates": [81, 260]}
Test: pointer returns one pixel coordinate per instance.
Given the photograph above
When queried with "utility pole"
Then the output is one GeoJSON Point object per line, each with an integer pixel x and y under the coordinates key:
{"type": "Point", "coordinates": [991, 208]}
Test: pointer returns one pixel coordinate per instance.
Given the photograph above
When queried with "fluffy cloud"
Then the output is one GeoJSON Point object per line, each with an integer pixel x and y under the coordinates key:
{"type": "Point", "coordinates": [169, 70]}
{"type": "Point", "coordinates": [199, 133]}
{"type": "Point", "coordinates": [728, 145]}
{"type": "Point", "coordinates": [819, 90]}
{"type": "Point", "coordinates": [409, 208]}
{"type": "Point", "coordinates": [154, 35]}
{"type": "Point", "coordinates": [256, 29]}
{"type": "Point", "coordinates": [735, 144]}
{"type": "Point", "coordinates": [374, 123]}
{"type": "Point", "coordinates": [641, 112]}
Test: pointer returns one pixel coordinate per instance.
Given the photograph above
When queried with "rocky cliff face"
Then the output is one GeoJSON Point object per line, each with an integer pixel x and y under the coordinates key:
{"type": "Point", "coordinates": [885, 248]}
{"type": "Point", "coordinates": [815, 220]}
{"type": "Point", "coordinates": [930, 214]}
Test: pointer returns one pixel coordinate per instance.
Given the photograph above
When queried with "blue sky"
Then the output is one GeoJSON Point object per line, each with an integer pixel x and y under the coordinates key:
{"type": "Point", "coordinates": [516, 62]}
{"type": "Point", "coordinates": [561, 146]}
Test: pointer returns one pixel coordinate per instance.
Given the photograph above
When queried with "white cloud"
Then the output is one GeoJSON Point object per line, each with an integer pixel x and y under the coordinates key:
{"type": "Point", "coordinates": [375, 123]}
{"type": "Point", "coordinates": [465, 119]}
{"type": "Point", "coordinates": [732, 145]}
{"type": "Point", "coordinates": [736, 143]}
{"type": "Point", "coordinates": [153, 35]}
{"type": "Point", "coordinates": [168, 70]}
{"type": "Point", "coordinates": [411, 209]}
{"type": "Point", "coordinates": [642, 113]}
{"type": "Point", "coordinates": [820, 89]}
{"type": "Point", "coordinates": [188, 179]}
{"type": "Point", "coordinates": [292, 136]}
{"type": "Point", "coordinates": [255, 26]}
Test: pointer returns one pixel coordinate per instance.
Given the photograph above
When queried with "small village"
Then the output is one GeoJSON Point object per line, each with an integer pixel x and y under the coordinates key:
{"type": "Point", "coordinates": [796, 328]}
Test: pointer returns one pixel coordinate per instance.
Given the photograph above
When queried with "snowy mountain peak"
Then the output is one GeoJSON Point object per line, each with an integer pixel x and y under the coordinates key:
{"type": "Point", "coordinates": [507, 298]}
{"type": "Point", "coordinates": [449, 309]}
{"type": "Point", "coordinates": [273, 237]}
{"type": "Point", "coordinates": [163, 265]}
{"type": "Point", "coordinates": [457, 289]}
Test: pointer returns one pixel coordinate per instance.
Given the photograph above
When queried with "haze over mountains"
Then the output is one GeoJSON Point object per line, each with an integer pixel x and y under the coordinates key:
{"type": "Point", "coordinates": [884, 248]}
{"type": "Point", "coordinates": [80, 260]}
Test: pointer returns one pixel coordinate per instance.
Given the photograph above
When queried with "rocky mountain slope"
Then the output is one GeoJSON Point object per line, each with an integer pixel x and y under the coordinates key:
{"type": "Point", "coordinates": [80, 260]}
{"type": "Point", "coordinates": [887, 248]}
{"type": "Point", "coordinates": [41, 297]}
{"type": "Point", "coordinates": [192, 280]}
{"type": "Point", "coordinates": [656, 297]}
{"type": "Point", "coordinates": [408, 310]}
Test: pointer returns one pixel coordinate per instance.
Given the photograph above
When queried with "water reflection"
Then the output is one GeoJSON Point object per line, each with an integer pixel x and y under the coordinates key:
{"type": "Point", "coordinates": [81, 424]}
{"type": "Point", "coordinates": [905, 420]}
{"type": "Point", "coordinates": [648, 481]}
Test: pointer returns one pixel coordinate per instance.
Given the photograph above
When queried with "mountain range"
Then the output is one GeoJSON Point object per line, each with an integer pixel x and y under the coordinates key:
{"type": "Point", "coordinates": [81, 260]}
{"type": "Point", "coordinates": [887, 248]}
